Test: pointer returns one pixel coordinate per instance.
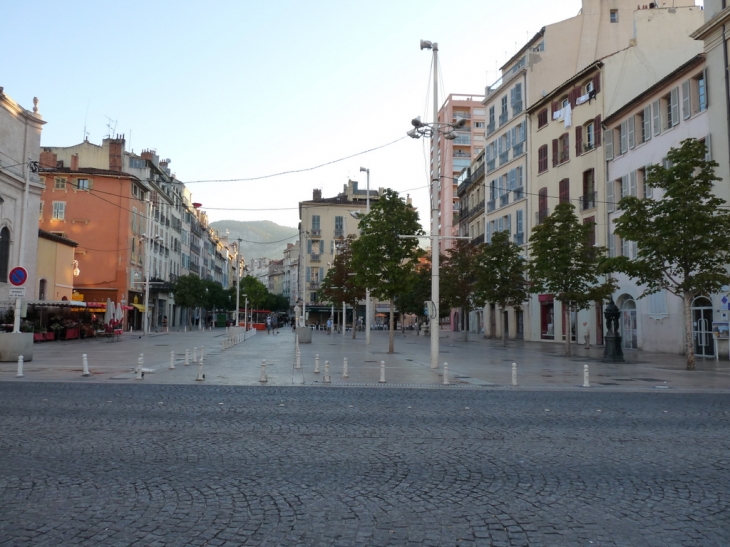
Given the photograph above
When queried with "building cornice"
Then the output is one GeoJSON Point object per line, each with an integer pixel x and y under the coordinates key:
{"type": "Point", "coordinates": [565, 85]}
{"type": "Point", "coordinates": [18, 110]}
{"type": "Point", "coordinates": [712, 25]}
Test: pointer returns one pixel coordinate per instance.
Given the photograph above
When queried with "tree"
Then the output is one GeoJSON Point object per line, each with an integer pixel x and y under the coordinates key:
{"type": "Point", "coordinates": [339, 285]}
{"type": "Point", "coordinates": [414, 300]}
{"type": "Point", "coordinates": [458, 277]}
{"type": "Point", "coordinates": [501, 275]}
{"type": "Point", "coordinates": [188, 291]}
{"type": "Point", "coordinates": [683, 236]}
{"type": "Point", "coordinates": [256, 292]}
{"type": "Point", "coordinates": [382, 260]}
{"type": "Point", "coordinates": [565, 262]}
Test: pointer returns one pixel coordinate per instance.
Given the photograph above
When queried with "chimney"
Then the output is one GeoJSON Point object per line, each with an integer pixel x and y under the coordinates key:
{"type": "Point", "coordinates": [116, 148]}
{"type": "Point", "coordinates": [75, 162]}
{"type": "Point", "coordinates": [47, 159]}
{"type": "Point", "coordinates": [316, 194]}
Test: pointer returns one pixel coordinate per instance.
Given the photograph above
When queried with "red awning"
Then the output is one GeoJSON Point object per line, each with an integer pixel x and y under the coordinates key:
{"type": "Point", "coordinates": [546, 297]}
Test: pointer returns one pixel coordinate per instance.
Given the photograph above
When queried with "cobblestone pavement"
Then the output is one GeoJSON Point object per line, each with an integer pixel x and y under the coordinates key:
{"type": "Point", "coordinates": [106, 464]}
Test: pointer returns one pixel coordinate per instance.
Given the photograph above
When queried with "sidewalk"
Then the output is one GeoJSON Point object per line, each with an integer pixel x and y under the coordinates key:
{"type": "Point", "coordinates": [477, 363]}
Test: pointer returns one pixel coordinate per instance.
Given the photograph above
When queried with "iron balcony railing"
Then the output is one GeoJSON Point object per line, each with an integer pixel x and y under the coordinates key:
{"type": "Point", "coordinates": [491, 205]}
{"type": "Point", "coordinates": [503, 199]}
{"type": "Point", "coordinates": [541, 215]}
{"type": "Point", "coordinates": [588, 201]}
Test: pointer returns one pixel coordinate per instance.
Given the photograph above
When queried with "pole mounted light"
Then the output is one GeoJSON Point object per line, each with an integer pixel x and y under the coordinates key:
{"type": "Point", "coordinates": [367, 291]}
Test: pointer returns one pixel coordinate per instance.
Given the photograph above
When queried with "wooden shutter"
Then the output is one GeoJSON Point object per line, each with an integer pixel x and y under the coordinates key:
{"type": "Point", "coordinates": [611, 245]}
{"type": "Point", "coordinates": [624, 248]}
{"type": "Point", "coordinates": [597, 82]}
{"type": "Point", "coordinates": [648, 190]}
{"type": "Point", "coordinates": [632, 127]}
{"type": "Point", "coordinates": [624, 186]}
{"type": "Point", "coordinates": [608, 137]}
{"type": "Point", "coordinates": [632, 183]}
{"type": "Point", "coordinates": [674, 100]}
{"type": "Point", "coordinates": [553, 109]}
{"type": "Point", "coordinates": [542, 200]}
{"type": "Point", "coordinates": [309, 273]}
{"type": "Point", "coordinates": [633, 249]}
{"type": "Point", "coordinates": [610, 200]}
{"type": "Point", "coordinates": [708, 144]}
{"type": "Point", "coordinates": [657, 117]}
{"type": "Point", "coordinates": [707, 90]}
{"type": "Point", "coordinates": [309, 246]}
{"type": "Point", "coordinates": [566, 146]}
{"type": "Point", "coordinates": [564, 191]}
{"type": "Point", "coordinates": [578, 140]}
{"type": "Point", "coordinates": [647, 123]}
{"type": "Point", "coordinates": [623, 134]}
{"type": "Point", "coordinates": [597, 130]}
{"type": "Point", "coordinates": [686, 102]}
{"type": "Point", "coordinates": [571, 98]}
{"type": "Point", "coordinates": [555, 152]}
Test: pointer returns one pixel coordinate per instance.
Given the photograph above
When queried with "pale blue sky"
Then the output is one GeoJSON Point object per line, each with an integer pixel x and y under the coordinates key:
{"type": "Point", "coordinates": [244, 89]}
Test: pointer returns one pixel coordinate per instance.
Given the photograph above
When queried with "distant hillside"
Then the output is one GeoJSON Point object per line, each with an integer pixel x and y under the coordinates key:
{"type": "Point", "coordinates": [261, 238]}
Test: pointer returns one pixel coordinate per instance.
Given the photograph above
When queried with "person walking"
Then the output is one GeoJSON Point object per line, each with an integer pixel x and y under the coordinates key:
{"type": "Point", "coordinates": [329, 326]}
{"type": "Point", "coordinates": [275, 324]}
{"type": "Point", "coordinates": [268, 325]}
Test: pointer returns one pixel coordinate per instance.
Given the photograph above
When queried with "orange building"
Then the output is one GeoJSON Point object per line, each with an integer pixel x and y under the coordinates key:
{"type": "Point", "coordinates": [103, 210]}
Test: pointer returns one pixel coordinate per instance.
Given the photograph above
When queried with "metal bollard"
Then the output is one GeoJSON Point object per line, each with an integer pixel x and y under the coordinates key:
{"type": "Point", "coordinates": [344, 369]}
{"type": "Point", "coordinates": [327, 372]}
{"type": "Point", "coordinates": [514, 374]}
{"type": "Point", "coordinates": [316, 364]}
{"type": "Point", "coordinates": [195, 354]}
{"type": "Point", "coordinates": [140, 362]}
{"type": "Point", "coordinates": [586, 383]}
{"type": "Point", "coordinates": [262, 376]}
{"type": "Point", "coordinates": [201, 376]}
{"type": "Point", "coordinates": [20, 367]}
{"type": "Point", "coordinates": [382, 372]}
{"type": "Point", "coordinates": [172, 360]}
{"type": "Point", "coordinates": [187, 357]}
{"type": "Point", "coordinates": [446, 372]}
{"type": "Point", "coordinates": [299, 360]}
{"type": "Point", "coordinates": [85, 363]}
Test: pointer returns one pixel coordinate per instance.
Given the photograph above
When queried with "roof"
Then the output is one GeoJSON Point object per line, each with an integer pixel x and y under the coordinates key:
{"type": "Point", "coordinates": [693, 62]}
{"type": "Point", "coordinates": [718, 19]}
{"type": "Point", "coordinates": [87, 171]}
{"type": "Point", "coordinates": [524, 48]}
{"type": "Point", "coordinates": [548, 96]}
{"type": "Point", "coordinates": [57, 238]}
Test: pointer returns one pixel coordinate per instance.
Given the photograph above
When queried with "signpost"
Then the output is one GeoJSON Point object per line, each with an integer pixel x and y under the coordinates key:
{"type": "Point", "coordinates": [17, 278]}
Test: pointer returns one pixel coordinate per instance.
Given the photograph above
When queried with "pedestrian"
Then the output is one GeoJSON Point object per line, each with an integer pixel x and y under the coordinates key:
{"type": "Point", "coordinates": [329, 326]}
{"type": "Point", "coordinates": [418, 328]}
{"type": "Point", "coordinates": [268, 325]}
{"type": "Point", "coordinates": [274, 324]}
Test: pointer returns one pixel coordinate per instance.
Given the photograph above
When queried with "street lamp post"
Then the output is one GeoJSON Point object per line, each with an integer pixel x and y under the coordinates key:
{"type": "Point", "coordinates": [367, 291]}
{"type": "Point", "coordinates": [245, 314]}
{"type": "Point", "coordinates": [238, 279]}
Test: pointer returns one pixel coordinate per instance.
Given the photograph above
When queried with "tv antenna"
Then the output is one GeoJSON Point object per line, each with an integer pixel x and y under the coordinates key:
{"type": "Point", "coordinates": [112, 130]}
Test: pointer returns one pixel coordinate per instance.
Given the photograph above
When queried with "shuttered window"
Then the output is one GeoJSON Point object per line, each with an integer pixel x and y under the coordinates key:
{"type": "Point", "coordinates": [564, 191]}
{"type": "Point", "coordinates": [657, 117]}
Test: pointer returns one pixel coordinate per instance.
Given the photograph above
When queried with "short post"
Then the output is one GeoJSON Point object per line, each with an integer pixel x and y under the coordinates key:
{"type": "Point", "coordinates": [326, 372]}
{"type": "Point", "coordinates": [141, 358]}
{"type": "Point", "coordinates": [344, 369]}
{"type": "Point", "coordinates": [382, 372]}
{"type": "Point", "coordinates": [187, 357]}
{"type": "Point", "coordinates": [262, 376]}
{"type": "Point", "coordinates": [586, 383]}
{"type": "Point", "coordinates": [195, 354]}
{"type": "Point", "coordinates": [185, 328]}
{"type": "Point", "coordinates": [514, 374]}
{"type": "Point", "coordinates": [201, 376]}
{"type": "Point", "coordinates": [20, 367]}
{"type": "Point", "coordinates": [140, 362]}
{"type": "Point", "coordinates": [298, 360]}
{"type": "Point", "coordinates": [202, 352]}
{"type": "Point", "coordinates": [85, 363]}
{"type": "Point", "coordinates": [172, 360]}
{"type": "Point", "coordinates": [446, 372]}
{"type": "Point", "coordinates": [316, 364]}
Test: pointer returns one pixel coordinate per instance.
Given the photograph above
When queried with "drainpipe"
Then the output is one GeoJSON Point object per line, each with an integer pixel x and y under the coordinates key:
{"type": "Point", "coordinates": [727, 81]}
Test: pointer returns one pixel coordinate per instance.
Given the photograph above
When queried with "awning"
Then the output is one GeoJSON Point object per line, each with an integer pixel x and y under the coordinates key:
{"type": "Point", "coordinates": [56, 303]}
{"type": "Point", "coordinates": [140, 307]}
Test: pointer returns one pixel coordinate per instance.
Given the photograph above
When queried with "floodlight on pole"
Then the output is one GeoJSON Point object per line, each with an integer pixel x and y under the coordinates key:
{"type": "Point", "coordinates": [367, 291]}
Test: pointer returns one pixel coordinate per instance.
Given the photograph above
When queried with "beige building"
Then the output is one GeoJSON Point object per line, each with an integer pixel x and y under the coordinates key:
{"type": "Point", "coordinates": [322, 221]}
{"type": "Point", "coordinates": [56, 266]}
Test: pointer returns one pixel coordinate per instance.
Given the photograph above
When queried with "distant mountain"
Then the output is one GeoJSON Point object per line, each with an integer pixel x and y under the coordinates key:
{"type": "Point", "coordinates": [261, 238]}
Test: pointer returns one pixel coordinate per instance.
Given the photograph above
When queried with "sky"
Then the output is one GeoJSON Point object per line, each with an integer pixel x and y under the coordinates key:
{"type": "Point", "coordinates": [243, 89]}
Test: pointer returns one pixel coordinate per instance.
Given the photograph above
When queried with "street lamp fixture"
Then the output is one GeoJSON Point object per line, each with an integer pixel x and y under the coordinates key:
{"type": "Point", "coordinates": [367, 291]}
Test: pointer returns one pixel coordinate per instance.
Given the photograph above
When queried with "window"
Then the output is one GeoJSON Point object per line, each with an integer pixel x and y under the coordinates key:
{"type": "Point", "coordinates": [478, 124]}
{"type": "Point", "coordinates": [504, 115]}
{"type": "Point", "coordinates": [591, 221]}
{"type": "Point", "coordinates": [339, 224]}
{"type": "Point", "coordinates": [59, 210]}
{"type": "Point", "coordinates": [83, 184]}
{"type": "Point", "coordinates": [542, 159]}
{"type": "Point", "coordinates": [491, 126]}
{"type": "Point", "coordinates": [542, 118]}
{"type": "Point", "coordinates": [520, 222]}
{"type": "Point", "coordinates": [463, 139]}
{"type": "Point", "coordinates": [623, 137]}
{"type": "Point", "coordinates": [563, 148]}
{"type": "Point", "coordinates": [700, 82]}
{"type": "Point", "coordinates": [644, 121]}
{"type": "Point", "coordinates": [542, 205]}
{"type": "Point", "coordinates": [516, 93]}
{"type": "Point", "coordinates": [670, 104]}
{"type": "Point", "coordinates": [614, 16]}
{"type": "Point", "coordinates": [315, 222]}
{"type": "Point", "coordinates": [694, 95]}
{"type": "Point", "coordinates": [656, 117]}
{"type": "Point", "coordinates": [564, 191]}
{"type": "Point", "coordinates": [60, 183]}
{"type": "Point", "coordinates": [590, 136]}
{"type": "Point", "coordinates": [589, 87]}
{"type": "Point", "coordinates": [4, 254]}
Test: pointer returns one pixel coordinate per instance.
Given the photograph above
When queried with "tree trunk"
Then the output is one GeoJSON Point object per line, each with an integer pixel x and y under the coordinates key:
{"type": "Point", "coordinates": [465, 323]}
{"type": "Point", "coordinates": [505, 328]}
{"type": "Point", "coordinates": [391, 325]}
{"type": "Point", "coordinates": [354, 323]}
{"type": "Point", "coordinates": [568, 331]}
{"type": "Point", "coordinates": [689, 347]}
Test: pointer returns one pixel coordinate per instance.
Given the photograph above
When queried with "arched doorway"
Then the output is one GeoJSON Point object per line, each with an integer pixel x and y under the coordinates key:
{"type": "Point", "coordinates": [702, 327]}
{"type": "Point", "coordinates": [629, 330]}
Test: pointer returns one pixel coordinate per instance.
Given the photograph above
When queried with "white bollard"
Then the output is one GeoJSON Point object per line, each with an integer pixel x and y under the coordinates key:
{"type": "Point", "coordinates": [586, 383]}
{"type": "Point", "coordinates": [195, 354]}
{"type": "Point", "coordinates": [382, 372]}
{"type": "Point", "coordinates": [85, 363]}
{"type": "Point", "coordinates": [262, 376]}
{"type": "Point", "coordinates": [140, 362]}
{"type": "Point", "coordinates": [344, 369]}
{"type": "Point", "coordinates": [202, 353]}
{"type": "Point", "coordinates": [316, 364]}
{"type": "Point", "coordinates": [299, 360]}
{"type": "Point", "coordinates": [514, 374]}
{"type": "Point", "coordinates": [327, 372]}
{"type": "Point", "coordinates": [446, 372]}
{"type": "Point", "coordinates": [20, 367]}
{"type": "Point", "coordinates": [187, 357]}
{"type": "Point", "coordinates": [172, 360]}
{"type": "Point", "coordinates": [201, 376]}
{"type": "Point", "coordinates": [141, 358]}
{"type": "Point", "coordinates": [185, 329]}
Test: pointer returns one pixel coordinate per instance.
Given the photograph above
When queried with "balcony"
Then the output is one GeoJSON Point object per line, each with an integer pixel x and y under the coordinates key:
{"type": "Point", "coordinates": [314, 284]}
{"type": "Point", "coordinates": [503, 117]}
{"type": "Point", "coordinates": [466, 114]}
{"type": "Point", "coordinates": [490, 128]}
{"type": "Point", "coordinates": [491, 206]}
{"type": "Point", "coordinates": [315, 257]}
{"type": "Point", "coordinates": [491, 165]}
{"type": "Point", "coordinates": [195, 249]}
{"type": "Point", "coordinates": [339, 233]}
{"type": "Point", "coordinates": [541, 215]}
{"type": "Point", "coordinates": [503, 158]}
{"type": "Point", "coordinates": [504, 199]}
{"type": "Point", "coordinates": [478, 208]}
{"type": "Point", "coordinates": [519, 238]}
{"type": "Point", "coordinates": [315, 232]}
{"type": "Point", "coordinates": [518, 193]}
{"type": "Point", "coordinates": [477, 240]}
{"type": "Point", "coordinates": [461, 154]}
{"type": "Point", "coordinates": [195, 268]}
{"type": "Point", "coordinates": [588, 201]}
{"type": "Point", "coordinates": [518, 149]}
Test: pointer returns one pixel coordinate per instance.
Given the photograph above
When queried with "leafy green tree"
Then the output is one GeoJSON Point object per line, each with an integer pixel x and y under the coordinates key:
{"type": "Point", "coordinates": [215, 297]}
{"type": "Point", "coordinates": [682, 236]}
{"type": "Point", "coordinates": [501, 276]}
{"type": "Point", "coordinates": [564, 262]}
{"type": "Point", "coordinates": [277, 302]}
{"type": "Point", "coordinates": [257, 293]}
{"type": "Point", "coordinates": [413, 301]}
{"type": "Point", "coordinates": [382, 260]}
{"type": "Point", "coordinates": [188, 291]}
{"type": "Point", "coordinates": [340, 285]}
{"type": "Point", "coordinates": [458, 276]}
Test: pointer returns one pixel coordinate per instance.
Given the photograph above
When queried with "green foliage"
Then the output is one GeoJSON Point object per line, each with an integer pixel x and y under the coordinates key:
{"type": "Point", "coordinates": [277, 302]}
{"type": "Point", "coordinates": [215, 297]}
{"type": "Point", "coordinates": [458, 275]}
{"type": "Point", "coordinates": [501, 274]}
{"type": "Point", "coordinates": [683, 236]}
{"type": "Point", "coordinates": [188, 291]}
{"type": "Point", "coordinates": [564, 263]}
{"type": "Point", "coordinates": [258, 294]}
{"type": "Point", "coordinates": [412, 301]}
{"type": "Point", "coordinates": [339, 285]}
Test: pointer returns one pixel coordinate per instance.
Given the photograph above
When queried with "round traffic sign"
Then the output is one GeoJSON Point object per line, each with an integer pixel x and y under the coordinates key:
{"type": "Point", "coordinates": [18, 276]}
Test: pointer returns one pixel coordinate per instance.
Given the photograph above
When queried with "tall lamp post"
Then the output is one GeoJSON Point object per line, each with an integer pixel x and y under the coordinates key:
{"type": "Point", "coordinates": [421, 129]}
{"type": "Point", "coordinates": [367, 291]}
{"type": "Point", "coordinates": [148, 252]}
{"type": "Point", "coordinates": [238, 280]}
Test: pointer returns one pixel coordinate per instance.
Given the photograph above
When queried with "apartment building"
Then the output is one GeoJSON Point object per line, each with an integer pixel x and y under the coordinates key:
{"type": "Point", "coordinates": [291, 274]}
{"type": "Point", "coordinates": [322, 221]}
{"type": "Point", "coordinates": [639, 134]}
